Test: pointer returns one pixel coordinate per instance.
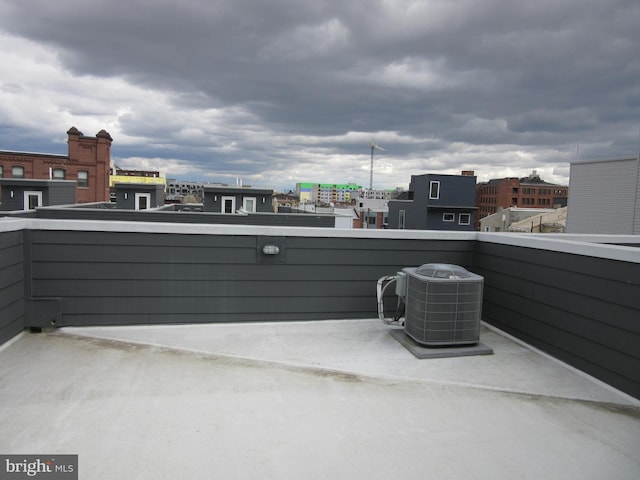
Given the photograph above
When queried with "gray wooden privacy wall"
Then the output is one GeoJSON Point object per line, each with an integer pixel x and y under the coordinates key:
{"type": "Point", "coordinates": [111, 277]}
{"type": "Point", "coordinates": [574, 304]}
{"type": "Point", "coordinates": [11, 284]}
{"type": "Point", "coordinates": [576, 300]}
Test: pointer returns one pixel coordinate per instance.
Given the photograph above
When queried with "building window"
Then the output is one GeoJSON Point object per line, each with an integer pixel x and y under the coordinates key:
{"type": "Point", "coordinates": [249, 204]}
{"type": "Point", "coordinates": [464, 219]}
{"type": "Point", "coordinates": [1, 171]}
{"type": "Point", "coordinates": [448, 217]}
{"type": "Point", "coordinates": [401, 219]}
{"type": "Point", "coordinates": [17, 172]}
{"type": "Point", "coordinates": [59, 174]}
{"type": "Point", "coordinates": [434, 190]}
{"type": "Point", "coordinates": [83, 178]}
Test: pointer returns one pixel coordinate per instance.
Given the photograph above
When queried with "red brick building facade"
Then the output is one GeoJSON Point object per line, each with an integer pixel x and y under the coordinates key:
{"type": "Point", "coordinates": [527, 192]}
{"type": "Point", "coordinates": [88, 163]}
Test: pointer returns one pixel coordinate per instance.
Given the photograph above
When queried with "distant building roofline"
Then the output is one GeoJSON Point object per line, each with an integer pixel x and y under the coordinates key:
{"type": "Point", "coordinates": [605, 160]}
{"type": "Point", "coordinates": [34, 154]}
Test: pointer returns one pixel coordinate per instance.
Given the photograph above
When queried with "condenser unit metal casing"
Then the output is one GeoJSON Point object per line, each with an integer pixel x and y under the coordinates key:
{"type": "Point", "coordinates": [443, 305]}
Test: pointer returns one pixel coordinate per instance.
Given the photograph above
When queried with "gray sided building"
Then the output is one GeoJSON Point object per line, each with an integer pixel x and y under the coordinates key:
{"type": "Point", "coordinates": [604, 197]}
{"type": "Point", "coordinates": [221, 199]}
{"type": "Point", "coordinates": [27, 194]}
{"type": "Point", "coordinates": [139, 196]}
{"type": "Point", "coordinates": [435, 202]}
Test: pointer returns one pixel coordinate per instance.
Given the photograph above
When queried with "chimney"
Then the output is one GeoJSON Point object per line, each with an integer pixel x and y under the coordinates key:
{"type": "Point", "coordinates": [74, 143]}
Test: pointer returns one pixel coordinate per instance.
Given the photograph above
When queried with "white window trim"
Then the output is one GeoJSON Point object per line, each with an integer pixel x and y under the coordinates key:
{"type": "Point", "coordinates": [244, 204]}
{"type": "Point", "coordinates": [444, 217]}
{"type": "Point", "coordinates": [460, 222]}
{"type": "Point", "coordinates": [138, 196]}
{"type": "Point", "coordinates": [28, 194]}
{"type": "Point", "coordinates": [437, 196]}
{"type": "Point", "coordinates": [223, 199]}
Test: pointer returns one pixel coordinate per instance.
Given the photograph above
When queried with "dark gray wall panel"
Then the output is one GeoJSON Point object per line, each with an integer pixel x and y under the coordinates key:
{"type": "Point", "coordinates": [581, 309]}
{"type": "Point", "coordinates": [11, 285]}
{"type": "Point", "coordinates": [115, 277]}
{"type": "Point", "coordinates": [60, 194]}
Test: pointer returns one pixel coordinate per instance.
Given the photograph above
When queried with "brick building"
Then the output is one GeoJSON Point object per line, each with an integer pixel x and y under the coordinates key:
{"type": "Point", "coordinates": [87, 164]}
{"type": "Point", "coordinates": [526, 192]}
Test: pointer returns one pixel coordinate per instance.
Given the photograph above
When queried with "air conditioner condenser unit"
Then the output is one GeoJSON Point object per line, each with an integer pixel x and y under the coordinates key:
{"type": "Point", "coordinates": [443, 304]}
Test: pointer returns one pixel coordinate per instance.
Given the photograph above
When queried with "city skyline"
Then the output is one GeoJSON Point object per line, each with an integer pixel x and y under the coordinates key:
{"type": "Point", "coordinates": [279, 93]}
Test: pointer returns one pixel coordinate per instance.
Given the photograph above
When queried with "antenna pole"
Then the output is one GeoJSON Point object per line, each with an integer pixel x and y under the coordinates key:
{"type": "Point", "coordinates": [371, 169]}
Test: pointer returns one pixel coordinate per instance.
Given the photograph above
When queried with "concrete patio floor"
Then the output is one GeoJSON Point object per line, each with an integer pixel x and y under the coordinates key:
{"type": "Point", "coordinates": [312, 400]}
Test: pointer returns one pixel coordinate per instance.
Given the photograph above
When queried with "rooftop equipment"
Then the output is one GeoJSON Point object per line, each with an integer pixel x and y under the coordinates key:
{"type": "Point", "coordinates": [442, 303]}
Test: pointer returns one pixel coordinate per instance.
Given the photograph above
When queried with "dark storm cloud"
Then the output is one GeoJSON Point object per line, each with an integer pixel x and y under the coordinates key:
{"type": "Point", "coordinates": [424, 76]}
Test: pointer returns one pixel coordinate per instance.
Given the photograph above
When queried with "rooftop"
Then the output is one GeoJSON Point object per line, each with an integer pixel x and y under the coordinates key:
{"type": "Point", "coordinates": [188, 351]}
{"type": "Point", "coordinates": [291, 400]}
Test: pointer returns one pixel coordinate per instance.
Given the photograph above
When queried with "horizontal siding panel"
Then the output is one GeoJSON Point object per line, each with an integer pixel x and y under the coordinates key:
{"type": "Point", "coordinates": [66, 254]}
{"type": "Point", "coordinates": [11, 311]}
{"type": "Point", "coordinates": [11, 294]}
{"type": "Point", "coordinates": [504, 258]}
{"type": "Point", "coordinates": [11, 239]}
{"type": "Point", "coordinates": [565, 321]}
{"type": "Point", "coordinates": [154, 288]}
{"type": "Point", "coordinates": [194, 318]}
{"type": "Point", "coordinates": [142, 255]}
{"type": "Point", "coordinates": [11, 275]}
{"type": "Point", "coordinates": [52, 272]}
{"type": "Point", "coordinates": [119, 239]}
{"type": "Point", "coordinates": [568, 302]}
{"type": "Point", "coordinates": [604, 290]}
{"type": "Point", "coordinates": [382, 244]}
{"type": "Point", "coordinates": [246, 304]}
{"type": "Point", "coordinates": [10, 254]}
{"type": "Point", "coordinates": [347, 258]}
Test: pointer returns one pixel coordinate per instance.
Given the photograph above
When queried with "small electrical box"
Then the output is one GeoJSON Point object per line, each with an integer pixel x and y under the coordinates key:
{"type": "Point", "coordinates": [401, 285]}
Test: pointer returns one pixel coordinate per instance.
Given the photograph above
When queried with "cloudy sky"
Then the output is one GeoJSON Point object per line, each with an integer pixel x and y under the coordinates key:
{"type": "Point", "coordinates": [282, 91]}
